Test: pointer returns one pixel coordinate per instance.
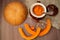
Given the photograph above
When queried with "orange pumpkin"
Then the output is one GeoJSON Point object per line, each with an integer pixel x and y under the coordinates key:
{"type": "Point", "coordinates": [42, 33]}
{"type": "Point", "coordinates": [15, 13]}
{"type": "Point", "coordinates": [29, 37]}
{"type": "Point", "coordinates": [32, 27]}
{"type": "Point", "coordinates": [47, 28]}
{"type": "Point", "coordinates": [27, 27]}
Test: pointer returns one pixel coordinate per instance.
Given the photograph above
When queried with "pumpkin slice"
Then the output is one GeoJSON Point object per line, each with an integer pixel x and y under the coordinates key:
{"type": "Point", "coordinates": [47, 29]}
{"type": "Point", "coordinates": [42, 33]}
{"type": "Point", "coordinates": [29, 29]}
{"type": "Point", "coordinates": [29, 37]}
{"type": "Point", "coordinates": [32, 28]}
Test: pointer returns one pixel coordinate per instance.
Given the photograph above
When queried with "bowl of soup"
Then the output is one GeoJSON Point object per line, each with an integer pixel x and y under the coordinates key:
{"type": "Point", "coordinates": [38, 10]}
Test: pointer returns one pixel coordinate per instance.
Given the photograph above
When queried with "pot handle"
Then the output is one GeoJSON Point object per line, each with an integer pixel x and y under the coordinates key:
{"type": "Point", "coordinates": [38, 1]}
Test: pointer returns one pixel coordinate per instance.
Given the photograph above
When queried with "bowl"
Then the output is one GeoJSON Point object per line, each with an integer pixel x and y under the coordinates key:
{"type": "Point", "coordinates": [32, 13]}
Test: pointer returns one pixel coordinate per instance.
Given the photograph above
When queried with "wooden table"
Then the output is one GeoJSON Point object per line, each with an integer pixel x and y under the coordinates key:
{"type": "Point", "coordinates": [9, 32]}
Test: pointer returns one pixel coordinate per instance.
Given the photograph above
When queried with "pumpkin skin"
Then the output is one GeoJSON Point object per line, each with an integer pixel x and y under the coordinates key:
{"type": "Point", "coordinates": [15, 13]}
{"type": "Point", "coordinates": [43, 32]}
{"type": "Point", "coordinates": [29, 37]}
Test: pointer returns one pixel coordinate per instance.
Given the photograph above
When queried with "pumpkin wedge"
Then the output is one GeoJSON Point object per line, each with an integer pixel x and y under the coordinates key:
{"type": "Point", "coordinates": [47, 29]}
{"type": "Point", "coordinates": [42, 33]}
{"type": "Point", "coordinates": [32, 28]}
{"type": "Point", "coordinates": [29, 37]}
{"type": "Point", "coordinates": [29, 30]}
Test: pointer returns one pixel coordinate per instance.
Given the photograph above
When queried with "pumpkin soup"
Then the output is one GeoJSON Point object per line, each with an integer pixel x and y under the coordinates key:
{"type": "Point", "coordinates": [38, 10]}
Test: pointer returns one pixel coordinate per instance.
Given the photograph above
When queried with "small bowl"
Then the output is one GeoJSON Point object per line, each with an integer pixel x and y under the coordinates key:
{"type": "Point", "coordinates": [32, 13]}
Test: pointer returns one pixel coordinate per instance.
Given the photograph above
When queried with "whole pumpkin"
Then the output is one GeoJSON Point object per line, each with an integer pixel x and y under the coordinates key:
{"type": "Point", "coordinates": [15, 13]}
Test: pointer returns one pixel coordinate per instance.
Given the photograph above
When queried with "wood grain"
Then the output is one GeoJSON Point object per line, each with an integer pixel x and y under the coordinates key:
{"type": "Point", "coordinates": [9, 32]}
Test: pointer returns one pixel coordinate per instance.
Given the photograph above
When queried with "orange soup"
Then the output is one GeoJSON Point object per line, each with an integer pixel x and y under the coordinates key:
{"type": "Point", "coordinates": [38, 10]}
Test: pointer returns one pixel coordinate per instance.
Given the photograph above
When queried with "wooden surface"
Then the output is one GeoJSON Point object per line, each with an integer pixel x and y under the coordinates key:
{"type": "Point", "coordinates": [9, 32]}
{"type": "Point", "coordinates": [0, 16]}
